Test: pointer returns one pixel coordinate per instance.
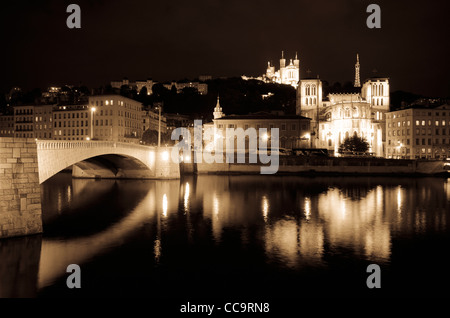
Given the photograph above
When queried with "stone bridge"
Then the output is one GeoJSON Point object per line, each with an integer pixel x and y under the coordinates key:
{"type": "Point", "coordinates": [105, 159]}
{"type": "Point", "coordinates": [26, 163]}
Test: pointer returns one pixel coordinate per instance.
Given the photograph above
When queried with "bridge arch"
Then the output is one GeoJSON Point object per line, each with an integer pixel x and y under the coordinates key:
{"type": "Point", "coordinates": [128, 160]}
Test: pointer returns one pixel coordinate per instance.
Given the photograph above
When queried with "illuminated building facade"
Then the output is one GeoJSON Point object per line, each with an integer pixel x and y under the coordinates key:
{"type": "Point", "coordinates": [293, 130]}
{"type": "Point", "coordinates": [288, 74]}
{"type": "Point", "coordinates": [418, 133]}
{"type": "Point", "coordinates": [150, 120]}
{"type": "Point", "coordinates": [359, 111]}
{"type": "Point", "coordinates": [72, 122]}
{"type": "Point", "coordinates": [116, 118]}
{"type": "Point", "coordinates": [24, 121]}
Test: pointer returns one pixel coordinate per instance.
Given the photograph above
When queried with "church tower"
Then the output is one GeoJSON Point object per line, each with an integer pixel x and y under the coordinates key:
{"type": "Point", "coordinates": [218, 110]}
{"type": "Point", "coordinates": [282, 61]}
{"type": "Point", "coordinates": [296, 61]}
{"type": "Point", "coordinates": [357, 76]}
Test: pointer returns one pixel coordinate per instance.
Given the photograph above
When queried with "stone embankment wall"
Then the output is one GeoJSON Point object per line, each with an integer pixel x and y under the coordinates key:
{"type": "Point", "coordinates": [20, 193]}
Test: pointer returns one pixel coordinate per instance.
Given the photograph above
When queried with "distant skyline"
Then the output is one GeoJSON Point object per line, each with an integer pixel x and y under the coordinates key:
{"type": "Point", "coordinates": [179, 39]}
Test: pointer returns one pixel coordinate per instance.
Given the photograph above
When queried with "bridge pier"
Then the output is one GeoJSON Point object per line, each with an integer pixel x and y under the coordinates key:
{"type": "Point", "coordinates": [20, 192]}
{"type": "Point", "coordinates": [165, 168]}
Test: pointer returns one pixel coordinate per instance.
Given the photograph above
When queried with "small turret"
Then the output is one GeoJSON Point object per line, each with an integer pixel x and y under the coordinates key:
{"type": "Point", "coordinates": [282, 60]}
{"type": "Point", "coordinates": [218, 110]}
{"type": "Point", "coordinates": [296, 61]}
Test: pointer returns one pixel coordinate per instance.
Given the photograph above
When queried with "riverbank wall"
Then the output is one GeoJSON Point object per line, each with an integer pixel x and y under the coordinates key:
{"type": "Point", "coordinates": [292, 165]}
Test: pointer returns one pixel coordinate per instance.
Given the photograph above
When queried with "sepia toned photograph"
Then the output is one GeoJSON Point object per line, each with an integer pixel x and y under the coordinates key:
{"type": "Point", "coordinates": [217, 156]}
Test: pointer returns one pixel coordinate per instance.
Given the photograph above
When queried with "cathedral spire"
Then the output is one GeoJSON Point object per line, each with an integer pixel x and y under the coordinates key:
{"type": "Point", "coordinates": [357, 77]}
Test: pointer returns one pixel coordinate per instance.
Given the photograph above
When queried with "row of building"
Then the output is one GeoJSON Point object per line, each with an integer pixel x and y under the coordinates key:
{"type": "Point", "coordinates": [104, 117]}
{"type": "Point", "coordinates": [199, 86]}
{"type": "Point", "coordinates": [320, 121]}
{"type": "Point", "coordinates": [403, 134]}
{"type": "Point", "coordinates": [407, 133]}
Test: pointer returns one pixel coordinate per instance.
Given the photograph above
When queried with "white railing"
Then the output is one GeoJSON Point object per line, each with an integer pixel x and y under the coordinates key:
{"type": "Point", "coordinates": [79, 144]}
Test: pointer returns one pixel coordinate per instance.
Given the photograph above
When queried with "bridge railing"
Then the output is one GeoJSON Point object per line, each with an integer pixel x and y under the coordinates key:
{"type": "Point", "coordinates": [79, 144]}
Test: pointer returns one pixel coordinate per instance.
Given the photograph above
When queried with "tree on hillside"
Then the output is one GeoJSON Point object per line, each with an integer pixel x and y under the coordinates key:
{"type": "Point", "coordinates": [354, 144]}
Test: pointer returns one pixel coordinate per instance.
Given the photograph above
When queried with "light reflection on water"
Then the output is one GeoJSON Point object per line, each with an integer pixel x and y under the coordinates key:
{"type": "Point", "coordinates": [234, 226]}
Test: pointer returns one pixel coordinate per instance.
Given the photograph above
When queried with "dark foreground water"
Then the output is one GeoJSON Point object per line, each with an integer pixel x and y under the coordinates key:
{"type": "Point", "coordinates": [257, 237]}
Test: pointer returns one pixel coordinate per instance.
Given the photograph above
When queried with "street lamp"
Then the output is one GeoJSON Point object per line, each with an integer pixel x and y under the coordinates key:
{"type": "Point", "coordinates": [93, 109]}
{"type": "Point", "coordinates": [159, 126]}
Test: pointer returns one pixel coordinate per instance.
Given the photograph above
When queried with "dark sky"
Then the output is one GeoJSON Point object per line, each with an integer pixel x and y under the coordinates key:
{"type": "Point", "coordinates": [167, 40]}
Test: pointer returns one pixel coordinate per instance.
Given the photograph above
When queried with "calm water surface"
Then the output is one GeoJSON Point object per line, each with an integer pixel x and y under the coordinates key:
{"type": "Point", "coordinates": [233, 236]}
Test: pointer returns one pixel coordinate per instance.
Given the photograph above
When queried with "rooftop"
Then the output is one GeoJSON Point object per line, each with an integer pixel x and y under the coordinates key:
{"type": "Point", "coordinates": [262, 115]}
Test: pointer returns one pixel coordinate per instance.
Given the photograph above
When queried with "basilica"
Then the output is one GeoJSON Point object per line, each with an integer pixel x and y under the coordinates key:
{"type": "Point", "coordinates": [288, 73]}
{"type": "Point", "coordinates": [360, 111]}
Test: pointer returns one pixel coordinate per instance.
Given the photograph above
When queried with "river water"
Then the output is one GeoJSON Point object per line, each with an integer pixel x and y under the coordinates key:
{"type": "Point", "coordinates": [257, 237]}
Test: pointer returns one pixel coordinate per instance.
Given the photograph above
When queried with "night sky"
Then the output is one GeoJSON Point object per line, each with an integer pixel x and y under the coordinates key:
{"type": "Point", "coordinates": [172, 40]}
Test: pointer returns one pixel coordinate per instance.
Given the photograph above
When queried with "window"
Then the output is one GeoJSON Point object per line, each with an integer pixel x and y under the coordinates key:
{"type": "Point", "coordinates": [283, 127]}
{"type": "Point", "coordinates": [417, 123]}
{"type": "Point", "coordinates": [423, 122]}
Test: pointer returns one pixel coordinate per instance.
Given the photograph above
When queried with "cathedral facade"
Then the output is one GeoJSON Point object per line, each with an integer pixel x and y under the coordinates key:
{"type": "Point", "coordinates": [360, 111]}
{"type": "Point", "coordinates": [288, 74]}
